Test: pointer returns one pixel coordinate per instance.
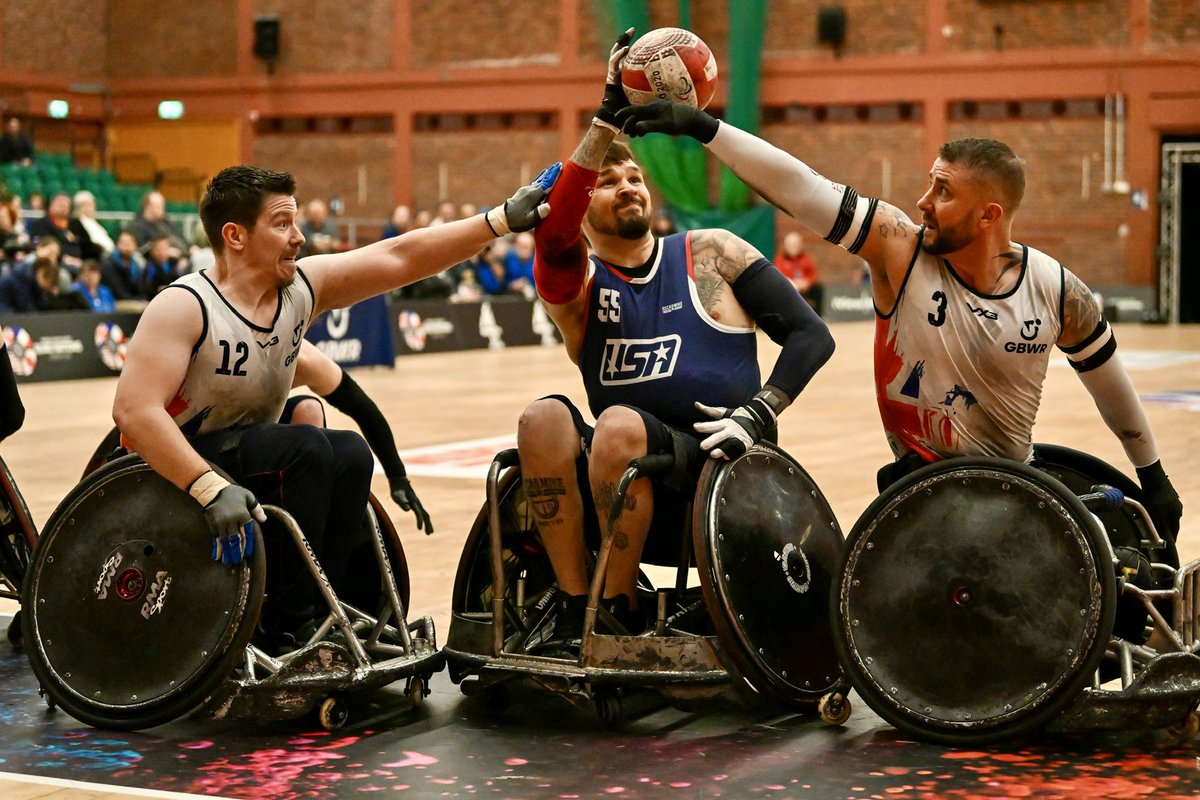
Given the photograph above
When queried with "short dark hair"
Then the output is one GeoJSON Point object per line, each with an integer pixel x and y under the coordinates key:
{"type": "Point", "coordinates": [236, 194]}
{"type": "Point", "coordinates": [617, 153]}
{"type": "Point", "coordinates": [995, 161]}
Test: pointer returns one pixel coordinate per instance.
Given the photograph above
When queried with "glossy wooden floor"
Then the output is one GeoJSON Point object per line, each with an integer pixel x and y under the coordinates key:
{"type": "Point", "coordinates": [833, 430]}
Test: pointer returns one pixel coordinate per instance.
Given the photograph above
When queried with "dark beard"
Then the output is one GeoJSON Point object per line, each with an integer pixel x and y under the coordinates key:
{"type": "Point", "coordinates": [633, 228]}
{"type": "Point", "coordinates": [944, 244]}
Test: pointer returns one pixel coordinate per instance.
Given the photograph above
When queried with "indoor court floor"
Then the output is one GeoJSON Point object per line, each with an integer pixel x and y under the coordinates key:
{"type": "Point", "coordinates": [451, 412]}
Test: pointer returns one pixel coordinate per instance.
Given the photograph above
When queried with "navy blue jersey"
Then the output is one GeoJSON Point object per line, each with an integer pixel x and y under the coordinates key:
{"type": "Point", "coordinates": [649, 343]}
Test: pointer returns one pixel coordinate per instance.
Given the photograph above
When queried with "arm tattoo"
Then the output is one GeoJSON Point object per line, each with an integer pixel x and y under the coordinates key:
{"type": "Point", "coordinates": [718, 259]}
{"type": "Point", "coordinates": [1011, 259]}
{"type": "Point", "coordinates": [895, 223]}
{"type": "Point", "coordinates": [1080, 314]}
{"type": "Point", "coordinates": [590, 152]}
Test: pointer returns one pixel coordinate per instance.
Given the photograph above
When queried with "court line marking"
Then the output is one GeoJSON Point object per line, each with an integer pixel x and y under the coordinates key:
{"type": "Point", "coordinates": [104, 788]}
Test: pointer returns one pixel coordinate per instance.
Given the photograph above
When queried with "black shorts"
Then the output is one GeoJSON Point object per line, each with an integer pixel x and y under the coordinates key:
{"type": "Point", "coordinates": [671, 523]}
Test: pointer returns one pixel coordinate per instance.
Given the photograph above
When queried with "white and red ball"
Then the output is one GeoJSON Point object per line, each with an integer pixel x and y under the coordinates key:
{"type": "Point", "coordinates": [669, 64]}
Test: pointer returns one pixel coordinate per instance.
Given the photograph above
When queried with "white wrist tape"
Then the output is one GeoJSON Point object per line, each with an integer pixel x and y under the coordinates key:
{"type": "Point", "coordinates": [790, 184]}
{"type": "Point", "coordinates": [497, 220]}
{"type": "Point", "coordinates": [207, 487]}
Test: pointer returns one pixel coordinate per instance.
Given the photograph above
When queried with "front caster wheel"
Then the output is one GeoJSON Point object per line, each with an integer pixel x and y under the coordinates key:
{"type": "Point", "coordinates": [834, 708]}
{"type": "Point", "coordinates": [333, 713]}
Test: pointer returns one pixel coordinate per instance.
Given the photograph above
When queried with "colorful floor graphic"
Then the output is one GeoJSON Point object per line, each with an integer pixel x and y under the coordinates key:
{"type": "Point", "coordinates": [539, 747]}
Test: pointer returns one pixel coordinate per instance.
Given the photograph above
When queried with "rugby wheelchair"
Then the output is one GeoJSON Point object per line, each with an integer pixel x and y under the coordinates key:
{"type": "Point", "coordinates": [17, 538]}
{"type": "Point", "coordinates": [979, 599]}
{"type": "Point", "coordinates": [128, 624]}
{"type": "Point", "coordinates": [764, 542]}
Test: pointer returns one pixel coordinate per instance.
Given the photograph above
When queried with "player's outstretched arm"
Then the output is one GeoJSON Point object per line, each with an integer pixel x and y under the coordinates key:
{"type": "Point", "coordinates": [879, 233]}
{"type": "Point", "coordinates": [343, 279]}
{"type": "Point", "coordinates": [1091, 349]}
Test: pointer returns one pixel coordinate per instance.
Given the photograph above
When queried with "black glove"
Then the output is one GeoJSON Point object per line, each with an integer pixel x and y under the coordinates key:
{"type": "Point", "coordinates": [1161, 500]}
{"type": "Point", "coordinates": [734, 431]}
{"type": "Point", "coordinates": [663, 116]}
{"type": "Point", "coordinates": [614, 93]}
{"type": "Point", "coordinates": [525, 209]}
{"type": "Point", "coordinates": [406, 498]}
{"type": "Point", "coordinates": [229, 515]}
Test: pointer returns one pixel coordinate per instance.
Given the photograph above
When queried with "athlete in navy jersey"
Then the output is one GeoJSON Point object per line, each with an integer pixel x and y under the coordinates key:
{"type": "Point", "coordinates": [663, 332]}
{"type": "Point", "coordinates": [652, 345]}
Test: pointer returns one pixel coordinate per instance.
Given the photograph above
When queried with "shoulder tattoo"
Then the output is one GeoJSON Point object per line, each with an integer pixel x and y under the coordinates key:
{"type": "Point", "coordinates": [892, 223]}
{"type": "Point", "coordinates": [1080, 314]}
{"type": "Point", "coordinates": [718, 259]}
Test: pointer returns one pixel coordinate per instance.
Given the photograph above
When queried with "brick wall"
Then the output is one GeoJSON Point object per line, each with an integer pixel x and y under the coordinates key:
{"type": "Point", "coordinates": [37, 37]}
{"type": "Point", "coordinates": [171, 38]}
{"type": "Point", "coordinates": [871, 27]}
{"type": "Point", "coordinates": [1040, 25]}
{"type": "Point", "coordinates": [858, 155]}
{"type": "Point", "coordinates": [451, 32]}
{"type": "Point", "coordinates": [481, 167]}
{"type": "Point", "coordinates": [1174, 22]}
{"type": "Point", "coordinates": [321, 37]}
{"type": "Point", "coordinates": [329, 165]}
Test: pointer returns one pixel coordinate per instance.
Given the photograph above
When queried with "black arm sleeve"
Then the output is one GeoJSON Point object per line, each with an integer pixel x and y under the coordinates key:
{"type": "Point", "coordinates": [12, 411]}
{"type": "Point", "coordinates": [351, 400]}
{"type": "Point", "coordinates": [781, 312]}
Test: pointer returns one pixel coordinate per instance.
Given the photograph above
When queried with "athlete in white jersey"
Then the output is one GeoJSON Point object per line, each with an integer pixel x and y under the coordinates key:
{"type": "Point", "coordinates": [960, 372]}
{"type": "Point", "coordinates": [975, 188]}
{"type": "Point", "coordinates": [212, 361]}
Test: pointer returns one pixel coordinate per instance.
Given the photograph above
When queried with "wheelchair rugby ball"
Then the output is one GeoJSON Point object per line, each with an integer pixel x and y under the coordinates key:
{"type": "Point", "coordinates": [669, 64]}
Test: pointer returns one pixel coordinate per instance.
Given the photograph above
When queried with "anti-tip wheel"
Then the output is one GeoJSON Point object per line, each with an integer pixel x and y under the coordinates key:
{"type": "Point", "coordinates": [14, 630]}
{"type": "Point", "coordinates": [333, 713]}
{"type": "Point", "coordinates": [834, 708]}
{"type": "Point", "coordinates": [610, 708]}
{"type": "Point", "coordinates": [416, 690]}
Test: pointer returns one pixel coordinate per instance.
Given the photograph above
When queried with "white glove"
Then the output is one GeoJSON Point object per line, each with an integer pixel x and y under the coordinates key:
{"type": "Point", "coordinates": [734, 431]}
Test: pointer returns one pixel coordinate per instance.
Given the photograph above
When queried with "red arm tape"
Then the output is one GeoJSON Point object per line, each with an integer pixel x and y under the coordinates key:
{"type": "Point", "coordinates": [560, 258]}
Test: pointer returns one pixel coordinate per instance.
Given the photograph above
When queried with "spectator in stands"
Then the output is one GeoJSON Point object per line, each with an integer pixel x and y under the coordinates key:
{"type": "Point", "coordinates": [203, 256]}
{"type": "Point", "coordinates": [16, 146]}
{"type": "Point", "coordinates": [50, 296]}
{"type": "Point", "coordinates": [320, 234]}
{"type": "Point", "coordinates": [489, 268]}
{"type": "Point", "coordinates": [151, 223]}
{"type": "Point", "coordinates": [446, 211]}
{"type": "Point", "coordinates": [518, 266]}
{"type": "Point", "coordinates": [161, 268]}
{"type": "Point", "coordinates": [48, 248]}
{"type": "Point", "coordinates": [402, 220]}
{"type": "Point", "coordinates": [99, 297]}
{"type": "Point", "coordinates": [423, 218]}
{"type": "Point", "coordinates": [85, 212]}
{"type": "Point", "coordinates": [36, 201]}
{"type": "Point", "coordinates": [75, 243]}
{"type": "Point", "coordinates": [122, 270]}
{"type": "Point", "coordinates": [798, 266]}
{"type": "Point", "coordinates": [662, 224]}
{"type": "Point", "coordinates": [18, 290]}
{"type": "Point", "coordinates": [467, 210]}
{"type": "Point", "coordinates": [13, 235]}
{"type": "Point", "coordinates": [466, 281]}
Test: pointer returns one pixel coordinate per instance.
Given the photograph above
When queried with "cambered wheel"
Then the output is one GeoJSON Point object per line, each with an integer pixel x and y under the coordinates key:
{"type": "Point", "coordinates": [523, 557]}
{"type": "Point", "coordinates": [127, 621]}
{"type": "Point", "coordinates": [975, 600]}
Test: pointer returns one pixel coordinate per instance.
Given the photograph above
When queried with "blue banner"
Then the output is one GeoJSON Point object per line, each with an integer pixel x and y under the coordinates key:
{"type": "Point", "coordinates": [358, 336]}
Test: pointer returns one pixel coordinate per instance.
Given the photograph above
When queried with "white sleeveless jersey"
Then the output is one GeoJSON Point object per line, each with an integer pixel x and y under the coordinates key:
{"type": "Point", "coordinates": [960, 373]}
{"type": "Point", "coordinates": [240, 373]}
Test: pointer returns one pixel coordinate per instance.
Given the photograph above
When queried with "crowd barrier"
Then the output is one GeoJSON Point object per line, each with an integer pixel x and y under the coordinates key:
{"type": "Point", "coordinates": [69, 345]}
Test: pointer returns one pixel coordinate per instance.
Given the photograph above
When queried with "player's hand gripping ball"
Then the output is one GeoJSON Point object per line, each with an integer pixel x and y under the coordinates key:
{"type": "Point", "coordinates": [669, 64]}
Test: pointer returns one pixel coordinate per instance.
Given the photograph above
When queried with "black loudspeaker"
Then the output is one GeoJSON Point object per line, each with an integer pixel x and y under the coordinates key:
{"type": "Point", "coordinates": [831, 25]}
{"type": "Point", "coordinates": [266, 38]}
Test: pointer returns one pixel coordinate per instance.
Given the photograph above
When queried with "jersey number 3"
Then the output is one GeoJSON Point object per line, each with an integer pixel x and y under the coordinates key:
{"type": "Point", "coordinates": [939, 315]}
{"type": "Point", "coordinates": [610, 306]}
{"type": "Point", "coordinates": [241, 350]}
